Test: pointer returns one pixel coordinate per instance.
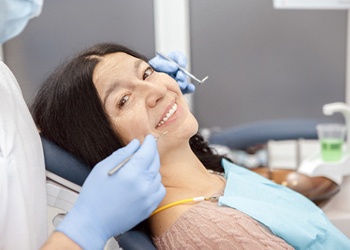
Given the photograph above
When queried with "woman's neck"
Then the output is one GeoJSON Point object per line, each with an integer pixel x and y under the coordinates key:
{"type": "Point", "coordinates": [184, 175]}
{"type": "Point", "coordinates": [177, 164]}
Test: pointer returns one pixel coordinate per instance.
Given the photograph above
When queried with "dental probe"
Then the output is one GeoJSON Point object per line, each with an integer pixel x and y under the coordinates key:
{"type": "Point", "coordinates": [184, 70]}
{"type": "Point", "coordinates": [114, 170]}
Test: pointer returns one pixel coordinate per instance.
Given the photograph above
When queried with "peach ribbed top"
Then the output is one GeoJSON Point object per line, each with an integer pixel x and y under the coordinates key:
{"type": "Point", "coordinates": [209, 226]}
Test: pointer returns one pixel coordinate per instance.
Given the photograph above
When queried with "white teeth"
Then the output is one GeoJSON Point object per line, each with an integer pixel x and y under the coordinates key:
{"type": "Point", "coordinates": [168, 115]}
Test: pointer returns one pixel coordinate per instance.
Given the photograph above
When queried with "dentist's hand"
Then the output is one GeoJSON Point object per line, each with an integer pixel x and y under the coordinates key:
{"type": "Point", "coordinates": [110, 205]}
{"type": "Point", "coordinates": [162, 65]}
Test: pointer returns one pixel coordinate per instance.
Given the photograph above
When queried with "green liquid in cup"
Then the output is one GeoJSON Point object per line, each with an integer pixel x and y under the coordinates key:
{"type": "Point", "coordinates": [331, 149]}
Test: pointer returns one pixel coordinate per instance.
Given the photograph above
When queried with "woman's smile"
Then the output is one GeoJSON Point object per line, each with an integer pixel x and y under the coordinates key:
{"type": "Point", "coordinates": [167, 115]}
{"type": "Point", "coordinates": [171, 114]}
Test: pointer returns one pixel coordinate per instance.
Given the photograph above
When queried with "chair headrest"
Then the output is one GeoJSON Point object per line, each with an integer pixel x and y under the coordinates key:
{"type": "Point", "coordinates": [64, 164]}
{"type": "Point", "coordinates": [260, 132]}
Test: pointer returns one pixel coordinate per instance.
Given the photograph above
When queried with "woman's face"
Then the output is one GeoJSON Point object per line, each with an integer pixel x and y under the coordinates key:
{"type": "Point", "coordinates": [140, 101]}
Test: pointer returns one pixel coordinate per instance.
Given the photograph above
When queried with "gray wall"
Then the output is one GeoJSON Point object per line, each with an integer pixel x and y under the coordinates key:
{"type": "Point", "coordinates": [265, 63]}
{"type": "Point", "coordinates": [262, 63]}
{"type": "Point", "coordinates": [66, 27]}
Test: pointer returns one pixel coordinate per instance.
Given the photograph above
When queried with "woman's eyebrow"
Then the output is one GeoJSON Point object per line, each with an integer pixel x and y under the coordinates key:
{"type": "Point", "coordinates": [138, 63]}
{"type": "Point", "coordinates": [114, 85]}
{"type": "Point", "coordinates": [110, 89]}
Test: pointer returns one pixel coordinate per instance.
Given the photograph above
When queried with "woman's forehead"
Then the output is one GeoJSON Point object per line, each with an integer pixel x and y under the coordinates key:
{"type": "Point", "coordinates": [112, 63]}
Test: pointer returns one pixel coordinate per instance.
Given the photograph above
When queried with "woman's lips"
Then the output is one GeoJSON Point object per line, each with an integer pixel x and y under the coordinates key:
{"type": "Point", "coordinates": [169, 114]}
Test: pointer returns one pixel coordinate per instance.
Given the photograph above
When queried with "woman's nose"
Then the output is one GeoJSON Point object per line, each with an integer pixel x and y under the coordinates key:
{"type": "Point", "coordinates": [154, 93]}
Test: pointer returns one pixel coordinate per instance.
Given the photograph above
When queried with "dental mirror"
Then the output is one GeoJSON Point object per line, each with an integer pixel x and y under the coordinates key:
{"type": "Point", "coordinates": [184, 70]}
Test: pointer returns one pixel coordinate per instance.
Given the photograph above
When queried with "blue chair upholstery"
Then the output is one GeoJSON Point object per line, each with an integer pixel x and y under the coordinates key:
{"type": "Point", "coordinates": [63, 163]}
{"type": "Point", "coordinates": [251, 134]}
{"type": "Point", "coordinates": [67, 166]}
{"type": "Point", "coordinates": [135, 240]}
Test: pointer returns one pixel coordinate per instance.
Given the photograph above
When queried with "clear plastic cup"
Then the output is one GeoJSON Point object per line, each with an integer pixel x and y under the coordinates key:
{"type": "Point", "coordinates": [331, 137]}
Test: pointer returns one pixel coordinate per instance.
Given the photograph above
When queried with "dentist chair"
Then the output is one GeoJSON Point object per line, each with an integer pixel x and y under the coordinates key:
{"type": "Point", "coordinates": [260, 132]}
{"type": "Point", "coordinates": [65, 174]}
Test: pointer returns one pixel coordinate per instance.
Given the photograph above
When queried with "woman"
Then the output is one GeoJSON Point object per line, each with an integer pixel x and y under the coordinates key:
{"type": "Point", "coordinates": [109, 95]}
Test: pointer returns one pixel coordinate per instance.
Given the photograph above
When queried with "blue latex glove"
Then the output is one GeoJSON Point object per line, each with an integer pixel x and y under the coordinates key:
{"type": "Point", "coordinates": [162, 65]}
{"type": "Point", "coordinates": [110, 205]}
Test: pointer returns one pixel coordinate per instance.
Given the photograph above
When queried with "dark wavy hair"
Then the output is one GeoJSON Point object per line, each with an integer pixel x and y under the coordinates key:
{"type": "Point", "coordinates": [68, 111]}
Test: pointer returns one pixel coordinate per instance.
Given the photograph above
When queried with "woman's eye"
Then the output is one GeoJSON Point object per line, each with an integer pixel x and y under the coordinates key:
{"type": "Point", "coordinates": [147, 73]}
{"type": "Point", "coordinates": [123, 101]}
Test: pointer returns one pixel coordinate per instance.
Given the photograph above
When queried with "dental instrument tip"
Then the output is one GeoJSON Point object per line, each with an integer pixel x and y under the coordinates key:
{"type": "Point", "coordinates": [120, 165]}
{"type": "Point", "coordinates": [183, 69]}
{"type": "Point", "coordinates": [161, 135]}
{"type": "Point", "coordinates": [205, 78]}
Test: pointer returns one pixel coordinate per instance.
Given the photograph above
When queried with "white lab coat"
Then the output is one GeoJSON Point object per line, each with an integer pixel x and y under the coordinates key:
{"type": "Point", "coordinates": [23, 206]}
